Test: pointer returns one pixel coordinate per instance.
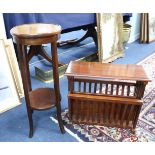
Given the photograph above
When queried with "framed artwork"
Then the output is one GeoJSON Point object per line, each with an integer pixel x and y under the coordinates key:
{"type": "Point", "coordinates": [11, 89]}
{"type": "Point", "coordinates": [147, 27]}
{"type": "Point", "coordinates": [151, 29]}
{"type": "Point", "coordinates": [14, 66]}
{"type": "Point", "coordinates": [110, 35]}
{"type": "Point", "coordinates": [144, 28]}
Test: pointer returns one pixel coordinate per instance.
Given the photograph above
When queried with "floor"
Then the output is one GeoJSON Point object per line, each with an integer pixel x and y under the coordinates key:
{"type": "Point", "coordinates": [14, 123]}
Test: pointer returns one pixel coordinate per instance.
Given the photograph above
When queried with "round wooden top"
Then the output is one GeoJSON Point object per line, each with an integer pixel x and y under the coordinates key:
{"type": "Point", "coordinates": [35, 30]}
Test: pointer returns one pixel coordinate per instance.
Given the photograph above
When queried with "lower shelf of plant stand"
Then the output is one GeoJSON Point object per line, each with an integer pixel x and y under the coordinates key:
{"type": "Point", "coordinates": [42, 98]}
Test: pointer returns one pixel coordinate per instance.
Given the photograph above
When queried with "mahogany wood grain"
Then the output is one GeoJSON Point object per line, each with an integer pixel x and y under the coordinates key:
{"type": "Point", "coordinates": [109, 99]}
{"type": "Point", "coordinates": [34, 35]}
{"type": "Point", "coordinates": [106, 71]}
{"type": "Point", "coordinates": [42, 98]}
{"type": "Point", "coordinates": [113, 97]}
{"type": "Point", "coordinates": [35, 30]}
{"type": "Point", "coordinates": [108, 113]}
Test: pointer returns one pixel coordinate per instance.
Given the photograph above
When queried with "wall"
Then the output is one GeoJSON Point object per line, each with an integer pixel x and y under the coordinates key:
{"type": "Point", "coordinates": [2, 28]}
{"type": "Point", "coordinates": [135, 30]}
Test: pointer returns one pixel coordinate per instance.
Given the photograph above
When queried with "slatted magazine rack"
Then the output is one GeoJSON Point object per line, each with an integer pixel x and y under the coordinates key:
{"type": "Point", "coordinates": [105, 94]}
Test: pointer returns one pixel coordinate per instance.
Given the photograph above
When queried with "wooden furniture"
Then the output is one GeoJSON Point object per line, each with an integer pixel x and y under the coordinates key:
{"type": "Point", "coordinates": [34, 35]}
{"type": "Point", "coordinates": [105, 94]}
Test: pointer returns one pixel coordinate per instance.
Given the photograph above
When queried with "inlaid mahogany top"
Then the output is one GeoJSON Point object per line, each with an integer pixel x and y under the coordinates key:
{"type": "Point", "coordinates": [107, 70]}
{"type": "Point", "coordinates": [35, 30]}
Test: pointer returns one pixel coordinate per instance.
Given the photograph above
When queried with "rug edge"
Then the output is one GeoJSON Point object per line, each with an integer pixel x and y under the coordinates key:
{"type": "Point", "coordinates": [141, 61]}
{"type": "Point", "coordinates": [68, 131]}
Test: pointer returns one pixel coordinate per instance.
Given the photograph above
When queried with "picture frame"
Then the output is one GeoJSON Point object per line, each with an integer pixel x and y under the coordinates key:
{"type": "Point", "coordinates": [110, 35]}
{"type": "Point", "coordinates": [147, 27]}
{"type": "Point", "coordinates": [11, 89]}
{"type": "Point", "coordinates": [10, 51]}
{"type": "Point", "coordinates": [151, 26]}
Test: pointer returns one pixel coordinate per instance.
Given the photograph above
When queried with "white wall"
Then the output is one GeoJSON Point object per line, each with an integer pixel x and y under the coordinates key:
{"type": "Point", "coordinates": [2, 28]}
{"type": "Point", "coordinates": [135, 30]}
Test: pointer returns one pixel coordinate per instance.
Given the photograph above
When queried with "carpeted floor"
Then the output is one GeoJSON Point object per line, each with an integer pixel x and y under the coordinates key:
{"type": "Point", "coordinates": [14, 123]}
{"type": "Point", "coordinates": [145, 130]}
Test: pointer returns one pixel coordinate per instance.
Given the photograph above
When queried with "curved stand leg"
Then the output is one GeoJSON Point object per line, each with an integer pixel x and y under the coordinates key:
{"type": "Point", "coordinates": [30, 124]}
{"type": "Point", "coordinates": [56, 84]}
{"type": "Point", "coordinates": [43, 53]}
{"type": "Point", "coordinates": [61, 126]}
{"type": "Point", "coordinates": [39, 50]}
{"type": "Point", "coordinates": [23, 61]}
{"type": "Point", "coordinates": [91, 32]}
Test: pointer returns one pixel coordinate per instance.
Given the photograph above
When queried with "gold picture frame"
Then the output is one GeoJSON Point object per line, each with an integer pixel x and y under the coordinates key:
{"type": "Point", "coordinates": [151, 27]}
{"type": "Point", "coordinates": [11, 88]}
{"type": "Point", "coordinates": [110, 35]}
{"type": "Point", "coordinates": [147, 27]}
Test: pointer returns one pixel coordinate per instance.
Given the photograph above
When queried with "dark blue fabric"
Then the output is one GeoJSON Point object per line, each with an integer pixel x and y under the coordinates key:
{"type": "Point", "coordinates": [126, 17]}
{"type": "Point", "coordinates": [13, 19]}
{"type": "Point", "coordinates": [66, 20]}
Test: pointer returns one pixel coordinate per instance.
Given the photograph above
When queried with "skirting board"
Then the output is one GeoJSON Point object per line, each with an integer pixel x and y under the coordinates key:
{"type": "Point", "coordinates": [134, 38]}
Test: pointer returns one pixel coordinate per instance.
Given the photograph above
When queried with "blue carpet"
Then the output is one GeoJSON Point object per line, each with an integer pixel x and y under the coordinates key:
{"type": "Point", "coordinates": [136, 52]}
{"type": "Point", "coordinates": [14, 123]}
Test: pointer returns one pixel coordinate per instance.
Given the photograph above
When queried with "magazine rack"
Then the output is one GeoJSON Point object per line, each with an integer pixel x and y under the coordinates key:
{"type": "Point", "coordinates": [105, 94]}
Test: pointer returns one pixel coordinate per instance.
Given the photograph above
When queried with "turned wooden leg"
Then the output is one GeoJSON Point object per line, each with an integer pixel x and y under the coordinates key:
{"type": "Point", "coordinates": [60, 119]}
{"type": "Point", "coordinates": [56, 84]}
{"type": "Point", "coordinates": [30, 124]}
{"type": "Point", "coordinates": [24, 67]}
{"type": "Point", "coordinates": [133, 131]}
